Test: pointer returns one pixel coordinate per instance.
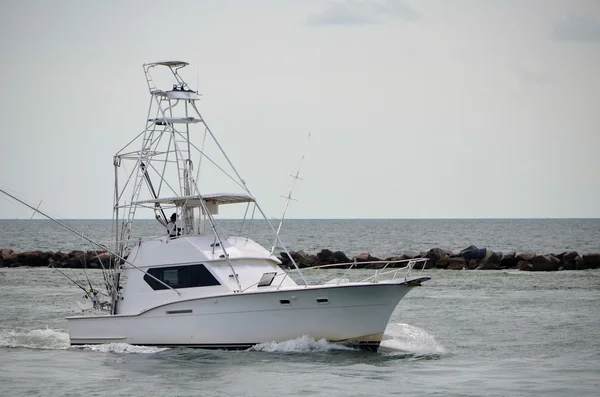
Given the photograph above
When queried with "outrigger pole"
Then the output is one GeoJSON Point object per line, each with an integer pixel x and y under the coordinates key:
{"type": "Point", "coordinates": [104, 247]}
{"type": "Point", "coordinates": [59, 223]}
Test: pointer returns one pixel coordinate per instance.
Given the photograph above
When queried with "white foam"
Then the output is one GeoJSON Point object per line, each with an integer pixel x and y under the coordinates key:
{"type": "Point", "coordinates": [408, 339]}
{"type": "Point", "coordinates": [123, 348]}
{"type": "Point", "coordinates": [34, 338]}
{"type": "Point", "coordinates": [304, 344]}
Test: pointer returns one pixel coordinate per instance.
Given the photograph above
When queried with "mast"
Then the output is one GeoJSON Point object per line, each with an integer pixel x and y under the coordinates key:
{"type": "Point", "coordinates": [163, 157]}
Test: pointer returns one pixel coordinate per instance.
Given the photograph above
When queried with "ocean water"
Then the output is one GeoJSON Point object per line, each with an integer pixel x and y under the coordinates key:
{"type": "Point", "coordinates": [380, 237]}
{"type": "Point", "coordinates": [463, 333]}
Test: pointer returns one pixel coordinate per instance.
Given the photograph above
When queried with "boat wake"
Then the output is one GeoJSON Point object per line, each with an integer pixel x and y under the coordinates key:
{"type": "Point", "coordinates": [304, 344]}
{"type": "Point", "coordinates": [404, 338]}
{"type": "Point", "coordinates": [398, 339]}
{"type": "Point", "coordinates": [50, 339]}
{"type": "Point", "coordinates": [122, 348]}
{"type": "Point", "coordinates": [34, 338]}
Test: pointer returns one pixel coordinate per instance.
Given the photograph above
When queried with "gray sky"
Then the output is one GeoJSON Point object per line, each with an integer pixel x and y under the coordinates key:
{"type": "Point", "coordinates": [417, 109]}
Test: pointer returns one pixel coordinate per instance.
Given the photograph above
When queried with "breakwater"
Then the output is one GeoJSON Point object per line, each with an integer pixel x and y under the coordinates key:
{"type": "Point", "coordinates": [471, 258]}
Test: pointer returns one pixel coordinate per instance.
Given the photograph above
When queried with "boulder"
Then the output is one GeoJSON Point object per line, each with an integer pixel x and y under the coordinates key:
{"type": "Point", "coordinates": [32, 258]}
{"type": "Point", "coordinates": [486, 265]}
{"type": "Point", "coordinates": [325, 256]}
{"type": "Point", "coordinates": [509, 260]}
{"type": "Point", "coordinates": [76, 254]}
{"type": "Point", "coordinates": [570, 259]}
{"type": "Point", "coordinates": [472, 264]}
{"type": "Point", "coordinates": [394, 259]}
{"type": "Point", "coordinates": [591, 261]}
{"type": "Point", "coordinates": [443, 263]}
{"type": "Point", "coordinates": [75, 263]}
{"type": "Point", "coordinates": [524, 265]}
{"type": "Point", "coordinates": [303, 259]}
{"type": "Point", "coordinates": [526, 256]}
{"type": "Point", "coordinates": [365, 257]}
{"type": "Point", "coordinates": [340, 257]}
{"type": "Point", "coordinates": [472, 252]}
{"type": "Point", "coordinates": [372, 266]}
{"type": "Point", "coordinates": [545, 263]}
{"type": "Point", "coordinates": [57, 256]}
{"type": "Point", "coordinates": [456, 263]}
{"type": "Point", "coordinates": [285, 259]}
{"type": "Point", "coordinates": [412, 255]}
{"type": "Point", "coordinates": [435, 254]}
{"type": "Point", "coordinates": [492, 259]}
{"type": "Point", "coordinates": [9, 260]}
{"type": "Point", "coordinates": [5, 253]}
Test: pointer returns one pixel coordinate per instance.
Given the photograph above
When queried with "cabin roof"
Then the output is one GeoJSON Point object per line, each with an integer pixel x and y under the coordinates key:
{"type": "Point", "coordinates": [216, 198]}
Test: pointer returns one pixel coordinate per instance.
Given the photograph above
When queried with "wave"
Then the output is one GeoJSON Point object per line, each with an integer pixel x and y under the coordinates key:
{"type": "Point", "coordinates": [45, 338]}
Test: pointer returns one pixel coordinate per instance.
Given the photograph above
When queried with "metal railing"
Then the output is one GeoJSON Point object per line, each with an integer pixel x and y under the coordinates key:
{"type": "Point", "coordinates": [348, 266]}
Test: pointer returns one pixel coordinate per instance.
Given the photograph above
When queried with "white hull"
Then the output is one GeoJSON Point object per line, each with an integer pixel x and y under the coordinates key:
{"type": "Point", "coordinates": [355, 314]}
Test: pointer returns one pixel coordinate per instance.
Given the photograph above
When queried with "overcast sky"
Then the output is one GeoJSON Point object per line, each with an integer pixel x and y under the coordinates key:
{"type": "Point", "coordinates": [416, 109]}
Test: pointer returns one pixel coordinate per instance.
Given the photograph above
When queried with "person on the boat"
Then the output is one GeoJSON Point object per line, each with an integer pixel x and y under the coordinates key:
{"type": "Point", "coordinates": [171, 226]}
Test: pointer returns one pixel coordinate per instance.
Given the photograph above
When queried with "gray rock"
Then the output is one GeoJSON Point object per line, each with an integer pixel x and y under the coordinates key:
{"type": "Point", "coordinates": [472, 264]}
{"type": "Point", "coordinates": [524, 265]}
{"type": "Point", "coordinates": [435, 254]}
{"type": "Point", "coordinates": [325, 256]}
{"type": "Point", "coordinates": [412, 255]}
{"type": "Point", "coordinates": [487, 266]}
{"type": "Point", "coordinates": [509, 260]}
{"type": "Point", "coordinates": [340, 257]}
{"type": "Point", "coordinates": [592, 260]}
{"type": "Point", "coordinates": [493, 259]}
{"type": "Point", "coordinates": [526, 256]}
{"type": "Point", "coordinates": [456, 263]}
{"type": "Point", "coordinates": [545, 263]}
{"type": "Point", "coordinates": [472, 252]}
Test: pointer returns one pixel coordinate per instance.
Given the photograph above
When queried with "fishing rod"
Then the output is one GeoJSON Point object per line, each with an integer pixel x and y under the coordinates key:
{"type": "Point", "coordinates": [88, 240]}
{"type": "Point", "coordinates": [73, 281]}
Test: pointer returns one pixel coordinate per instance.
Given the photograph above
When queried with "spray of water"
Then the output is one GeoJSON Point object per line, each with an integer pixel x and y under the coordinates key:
{"type": "Point", "coordinates": [123, 348]}
{"type": "Point", "coordinates": [405, 338]}
{"type": "Point", "coordinates": [303, 344]}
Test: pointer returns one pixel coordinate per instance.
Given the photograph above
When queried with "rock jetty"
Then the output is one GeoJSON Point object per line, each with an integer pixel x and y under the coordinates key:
{"type": "Point", "coordinates": [71, 259]}
{"type": "Point", "coordinates": [470, 258]}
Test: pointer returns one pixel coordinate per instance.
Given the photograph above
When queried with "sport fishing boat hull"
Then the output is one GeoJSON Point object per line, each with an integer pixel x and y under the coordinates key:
{"type": "Point", "coordinates": [353, 314]}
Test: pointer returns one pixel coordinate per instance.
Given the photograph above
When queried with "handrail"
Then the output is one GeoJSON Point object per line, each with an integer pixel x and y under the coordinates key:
{"type": "Point", "coordinates": [378, 272]}
{"type": "Point", "coordinates": [416, 260]}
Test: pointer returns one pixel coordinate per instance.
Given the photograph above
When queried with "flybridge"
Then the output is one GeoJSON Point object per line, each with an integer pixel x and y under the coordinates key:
{"type": "Point", "coordinates": [209, 201]}
{"type": "Point", "coordinates": [180, 88]}
{"type": "Point", "coordinates": [217, 198]}
{"type": "Point", "coordinates": [170, 165]}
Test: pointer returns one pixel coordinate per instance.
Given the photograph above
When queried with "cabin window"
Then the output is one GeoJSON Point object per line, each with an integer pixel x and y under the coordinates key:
{"type": "Point", "coordinates": [188, 276]}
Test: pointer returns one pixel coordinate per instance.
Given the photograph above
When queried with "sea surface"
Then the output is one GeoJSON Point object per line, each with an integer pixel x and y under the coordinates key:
{"type": "Point", "coordinates": [463, 333]}
{"type": "Point", "coordinates": [380, 237]}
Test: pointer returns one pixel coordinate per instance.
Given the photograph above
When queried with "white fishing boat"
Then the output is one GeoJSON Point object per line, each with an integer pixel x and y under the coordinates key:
{"type": "Point", "coordinates": [199, 285]}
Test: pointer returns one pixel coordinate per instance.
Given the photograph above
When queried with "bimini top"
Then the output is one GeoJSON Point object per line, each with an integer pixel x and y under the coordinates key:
{"type": "Point", "coordinates": [194, 200]}
{"type": "Point", "coordinates": [170, 64]}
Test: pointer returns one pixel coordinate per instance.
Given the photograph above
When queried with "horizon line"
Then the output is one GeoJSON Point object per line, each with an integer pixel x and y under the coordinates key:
{"type": "Point", "coordinates": [323, 219]}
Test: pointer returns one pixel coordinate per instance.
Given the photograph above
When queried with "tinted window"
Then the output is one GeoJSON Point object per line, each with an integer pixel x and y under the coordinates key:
{"type": "Point", "coordinates": [180, 277]}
